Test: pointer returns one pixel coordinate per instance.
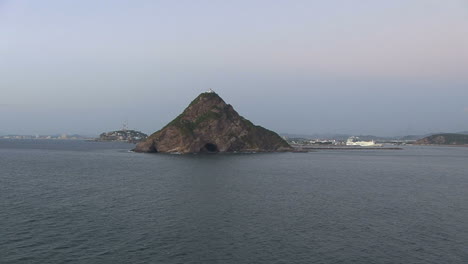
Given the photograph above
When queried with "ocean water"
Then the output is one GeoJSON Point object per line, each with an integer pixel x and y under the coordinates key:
{"type": "Point", "coordinates": [91, 202]}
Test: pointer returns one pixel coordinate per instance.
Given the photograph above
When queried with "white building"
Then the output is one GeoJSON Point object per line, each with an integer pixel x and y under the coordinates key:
{"type": "Point", "coordinates": [354, 141]}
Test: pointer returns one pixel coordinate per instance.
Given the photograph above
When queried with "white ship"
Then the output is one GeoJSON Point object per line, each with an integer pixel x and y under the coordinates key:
{"type": "Point", "coordinates": [354, 141]}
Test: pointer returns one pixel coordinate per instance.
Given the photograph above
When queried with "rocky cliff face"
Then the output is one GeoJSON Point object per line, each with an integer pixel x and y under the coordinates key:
{"type": "Point", "coordinates": [210, 125]}
{"type": "Point", "coordinates": [444, 139]}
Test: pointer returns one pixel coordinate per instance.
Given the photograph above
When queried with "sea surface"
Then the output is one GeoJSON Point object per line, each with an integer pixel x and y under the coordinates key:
{"type": "Point", "coordinates": [94, 202]}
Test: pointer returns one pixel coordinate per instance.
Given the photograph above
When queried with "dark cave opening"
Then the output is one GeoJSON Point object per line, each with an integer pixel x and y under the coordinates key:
{"type": "Point", "coordinates": [210, 147]}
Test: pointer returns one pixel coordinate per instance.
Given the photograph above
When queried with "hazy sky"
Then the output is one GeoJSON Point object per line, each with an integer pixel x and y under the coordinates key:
{"type": "Point", "coordinates": [363, 67]}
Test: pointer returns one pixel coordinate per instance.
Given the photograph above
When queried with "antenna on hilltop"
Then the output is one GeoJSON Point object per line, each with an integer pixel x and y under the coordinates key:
{"type": "Point", "coordinates": [125, 125]}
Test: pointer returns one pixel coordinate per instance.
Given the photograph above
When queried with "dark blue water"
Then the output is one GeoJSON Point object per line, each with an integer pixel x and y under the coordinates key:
{"type": "Point", "coordinates": [89, 202]}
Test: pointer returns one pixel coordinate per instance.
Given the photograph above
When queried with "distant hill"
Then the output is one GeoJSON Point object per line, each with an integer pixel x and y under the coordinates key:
{"type": "Point", "coordinates": [123, 135]}
{"type": "Point", "coordinates": [444, 139]}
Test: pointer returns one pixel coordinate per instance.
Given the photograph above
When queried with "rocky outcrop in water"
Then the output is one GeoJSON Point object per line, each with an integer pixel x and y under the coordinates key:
{"type": "Point", "coordinates": [210, 125]}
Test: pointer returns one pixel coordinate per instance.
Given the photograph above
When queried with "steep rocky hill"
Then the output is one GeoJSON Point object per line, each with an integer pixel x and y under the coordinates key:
{"type": "Point", "coordinates": [210, 125]}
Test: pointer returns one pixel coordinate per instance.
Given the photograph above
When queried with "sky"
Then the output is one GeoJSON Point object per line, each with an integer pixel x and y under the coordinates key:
{"type": "Point", "coordinates": [294, 66]}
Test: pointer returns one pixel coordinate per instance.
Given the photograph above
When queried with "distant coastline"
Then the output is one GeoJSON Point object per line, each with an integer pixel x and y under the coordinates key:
{"type": "Point", "coordinates": [49, 137]}
{"type": "Point", "coordinates": [448, 139]}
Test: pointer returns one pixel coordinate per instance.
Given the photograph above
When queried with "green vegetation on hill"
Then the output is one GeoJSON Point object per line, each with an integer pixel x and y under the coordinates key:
{"type": "Point", "coordinates": [208, 124]}
{"type": "Point", "coordinates": [123, 135]}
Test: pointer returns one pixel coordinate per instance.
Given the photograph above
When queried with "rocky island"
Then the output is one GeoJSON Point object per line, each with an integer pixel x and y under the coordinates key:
{"type": "Point", "coordinates": [444, 139]}
{"type": "Point", "coordinates": [209, 125]}
{"type": "Point", "coordinates": [123, 135]}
